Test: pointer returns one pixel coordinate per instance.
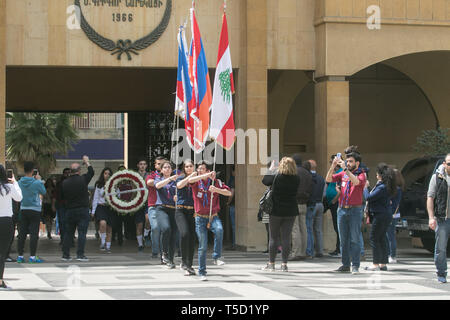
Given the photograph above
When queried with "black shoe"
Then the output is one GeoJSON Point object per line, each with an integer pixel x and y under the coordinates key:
{"type": "Point", "coordinates": [164, 259]}
{"type": "Point", "coordinates": [343, 269]}
{"type": "Point", "coordinates": [319, 255]}
{"type": "Point", "coordinates": [82, 259]}
{"type": "Point", "coordinates": [383, 268]}
{"type": "Point", "coordinates": [4, 287]}
{"type": "Point", "coordinates": [141, 249]}
{"type": "Point", "coordinates": [267, 251]}
{"type": "Point", "coordinates": [66, 258]}
{"type": "Point", "coordinates": [189, 272]}
{"type": "Point", "coordinates": [9, 259]}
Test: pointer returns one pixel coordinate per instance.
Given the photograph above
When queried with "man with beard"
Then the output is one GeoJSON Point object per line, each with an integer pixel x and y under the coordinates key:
{"type": "Point", "coordinates": [352, 181]}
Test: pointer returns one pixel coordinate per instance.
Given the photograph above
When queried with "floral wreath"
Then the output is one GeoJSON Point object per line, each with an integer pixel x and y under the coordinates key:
{"type": "Point", "coordinates": [112, 192]}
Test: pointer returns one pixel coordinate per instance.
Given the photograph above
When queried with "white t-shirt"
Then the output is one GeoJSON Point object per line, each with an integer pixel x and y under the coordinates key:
{"type": "Point", "coordinates": [6, 199]}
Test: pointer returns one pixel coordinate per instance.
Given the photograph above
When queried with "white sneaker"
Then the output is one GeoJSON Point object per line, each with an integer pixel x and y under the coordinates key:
{"type": "Point", "coordinates": [203, 278]}
{"type": "Point", "coordinates": [219, 262]}
{"type": "Point", "coordinates": [392, 260]}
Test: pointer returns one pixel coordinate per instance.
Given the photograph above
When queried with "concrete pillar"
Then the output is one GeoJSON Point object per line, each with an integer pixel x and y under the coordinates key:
{"type": "Point", "coordinates": [2, 80]}
{"type": "Point", "coordinates": [332, 120]}
{"type": "Point", "coordinates": [251, 113]}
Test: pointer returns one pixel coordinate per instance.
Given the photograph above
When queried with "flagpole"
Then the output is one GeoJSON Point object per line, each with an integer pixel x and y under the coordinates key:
{"type": "Point", "coordinates": [212, 184]}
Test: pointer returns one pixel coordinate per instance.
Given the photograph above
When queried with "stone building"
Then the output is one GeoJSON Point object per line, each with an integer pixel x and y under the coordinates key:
{"type": "Point", "coordinates": [322, 71]}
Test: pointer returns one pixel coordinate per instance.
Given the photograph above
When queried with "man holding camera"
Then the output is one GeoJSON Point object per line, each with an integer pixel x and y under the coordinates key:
{"type": "Point", "coordinates": [32, 187]}
{"type": "Point", "coordinates": [76, 195]}
{"type": "Point", "coordinates": [352, 181]}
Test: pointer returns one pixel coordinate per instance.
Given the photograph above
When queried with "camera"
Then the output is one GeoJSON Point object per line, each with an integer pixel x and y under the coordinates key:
{"type": "Point", "coordinates": [35, 172]}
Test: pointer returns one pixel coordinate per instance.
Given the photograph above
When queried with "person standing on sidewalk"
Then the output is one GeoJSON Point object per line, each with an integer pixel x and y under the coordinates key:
{"type": "Point", "coordinates": [332, 197]}
{"type": "Point", "coordinates": [379, 202]}
{"type": "Point", "coordinates": [438, 207]}
{"type": "Point", "coordinates": [9, 190]}
{"type": "Point", "coordinates": [350, 212]}
{"type": "Point", "coordinates": [395, 209]}
{"type": "Point", "coordinates": [284, 181]}
{"type": "Point", "coordinates": [32, 187]}
{"type": "Point", "coordinates": [314, 216]}
{"type": "Point", "coordinates": [299, 234]}
{"type": "Point", "coordinates": [75, 193]}
{"type": "Point", "coordinates": [61, 206]}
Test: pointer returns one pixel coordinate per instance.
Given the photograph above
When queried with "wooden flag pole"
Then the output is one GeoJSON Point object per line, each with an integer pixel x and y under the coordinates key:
{"type": "Point", "coordinates": [212, 184]}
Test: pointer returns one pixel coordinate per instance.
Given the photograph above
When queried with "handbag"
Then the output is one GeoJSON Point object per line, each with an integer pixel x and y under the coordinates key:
{"type": "Point", "coordinates": [266, 201]}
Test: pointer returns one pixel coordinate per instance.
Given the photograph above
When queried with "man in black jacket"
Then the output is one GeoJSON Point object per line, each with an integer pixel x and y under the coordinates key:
{"type": "Point", "coordinates": [299, 234]}
{"type": "Point", "coordinates": [76, 196]}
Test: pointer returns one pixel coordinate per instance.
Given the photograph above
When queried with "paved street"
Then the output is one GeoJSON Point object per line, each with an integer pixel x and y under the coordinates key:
{"type": "Point", "coordinates": [123, 275]}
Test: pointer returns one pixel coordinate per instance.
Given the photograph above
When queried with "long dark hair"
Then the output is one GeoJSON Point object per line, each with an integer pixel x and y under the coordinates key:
{"type": "Point", "coordinates": [3, 181]}
{"type": "Point", "coordinates": [388, 178]}
{"type": "Point", "coordinates": [101, 180]}
{"type": "Point", "coordinates": [184, 165]}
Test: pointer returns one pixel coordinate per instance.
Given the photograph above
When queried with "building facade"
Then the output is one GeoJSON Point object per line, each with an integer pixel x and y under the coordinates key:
{"type": "Point", "coordinates": [327, 73]}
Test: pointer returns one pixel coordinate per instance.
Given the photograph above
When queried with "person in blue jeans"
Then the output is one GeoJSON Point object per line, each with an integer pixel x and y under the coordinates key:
{"type": "Point", "coordinates": [350, 213]}
{"type": "Point", "coordinates": [203, 186]}
{"type": "Point", "coordinates": [438, 207]}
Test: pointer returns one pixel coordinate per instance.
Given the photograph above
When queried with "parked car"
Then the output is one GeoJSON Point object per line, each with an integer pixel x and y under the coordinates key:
{"type": "Point", "coordinates": [413, 206]}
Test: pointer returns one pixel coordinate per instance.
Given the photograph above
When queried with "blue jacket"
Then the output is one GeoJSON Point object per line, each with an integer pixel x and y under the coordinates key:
{"type": "Point", "coordinates": [379, 199]}
{"type": "Point", "coordinates": [31, 189]}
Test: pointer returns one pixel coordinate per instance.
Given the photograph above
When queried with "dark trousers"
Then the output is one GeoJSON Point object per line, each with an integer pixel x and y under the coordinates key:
{"type": "Point", "coordinates": [29, 223]}
{"type": "Point", "coordinates": [166, 223]}
{"type": "Point", "coordinates": [77, 218]}
{"type": "Point", "coordinates": [6, 234]}
{"type": "Point", "coordinates": [61, 214]}
{"type": "Point", "coordinates": [333, 209]}
{"type": "Point", "coordinates": [380, 224]}
{"type": "Point", "coordinates": [280, 230]}
{"type": "Point", "coordinates": [186, 226]}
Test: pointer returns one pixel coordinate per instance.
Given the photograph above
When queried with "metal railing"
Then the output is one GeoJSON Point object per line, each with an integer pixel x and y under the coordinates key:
{"type": "Point", "coordinates": [98, 121]}
{"type": "Point", "coordinates": [92, 121]}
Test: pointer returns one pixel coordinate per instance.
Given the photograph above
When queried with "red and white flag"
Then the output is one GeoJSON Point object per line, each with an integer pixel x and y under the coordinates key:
{"type": "Point", "coordinates": [222, 123]}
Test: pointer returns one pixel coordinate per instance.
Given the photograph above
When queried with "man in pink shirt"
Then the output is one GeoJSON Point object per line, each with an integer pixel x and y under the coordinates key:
{"type": "Point", "coordinates": [352, 181]}
{"type": "Point", "coordinates": [201, 191]}
{"type": "Point", "coordinates": [152, 197]}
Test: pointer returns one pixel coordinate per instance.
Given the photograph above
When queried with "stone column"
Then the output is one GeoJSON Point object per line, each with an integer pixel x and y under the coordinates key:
{"type": "Point", "coordinates": [251, 113]}
{"type": "Point", "coordinates": [2, 79]}
{"type": "Point", "coordinates": [332, 116]}
{"type": "Point", "coordinates": [332, 107]}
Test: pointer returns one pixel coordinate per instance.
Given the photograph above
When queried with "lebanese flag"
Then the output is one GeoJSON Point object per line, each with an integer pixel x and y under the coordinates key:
{"type": "Point", "coordinates": [222, 123]}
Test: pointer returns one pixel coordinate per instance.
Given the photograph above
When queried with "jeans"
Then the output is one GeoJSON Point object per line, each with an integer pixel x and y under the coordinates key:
{"type": "Point", "coordinates": [440, 251]}
{"type": "Point", "coordinates": [299, 234]}
{"type": "Point", "coordinates": [280, 229]}
{"type": "Point", "coordinates": [314, 222]}
{"type": "Point", "coordinates": [391, 238]}
{"type": "Point", "coordinates": [77, 218]}
{"type": "Point", "coordinates": [380, 224]}
{"type": "Point", "coordinates": [29, 222]}
{"type": "Point", "coordinates": [202, 234]}
{"type": "Point", "coordinates": [186, 225]}
{"type": "Point", "coordinates": [349, 225]}
{"type": "Point", "coordinates": [61, 214]}
{"type": "Point", "coordinates": [309, 231]}
{"type": "Point", "coordinates": [233, 225]}
{"type": "Point", "coordinates": [155, 232]}
{"type": "Point", "coordinates": [165, 218]}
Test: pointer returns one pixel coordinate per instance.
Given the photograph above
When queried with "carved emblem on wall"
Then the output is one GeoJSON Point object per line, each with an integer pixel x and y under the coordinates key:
{"type": "Point", "coordinates": [126, 46]}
